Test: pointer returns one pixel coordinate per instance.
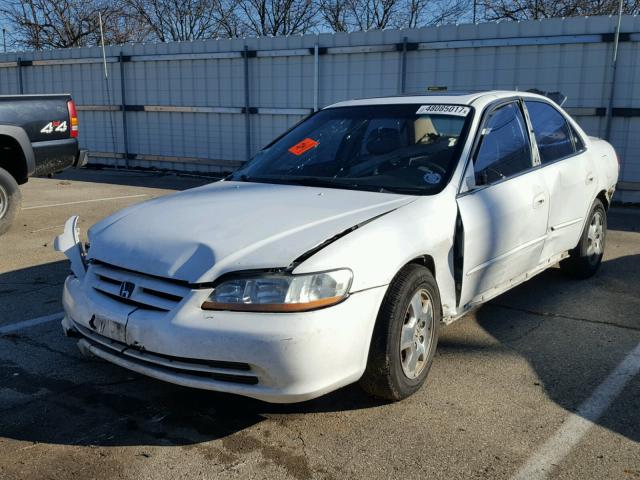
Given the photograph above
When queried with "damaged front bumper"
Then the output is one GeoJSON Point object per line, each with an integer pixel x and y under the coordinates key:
{"type": "Point", "coordinates": [279, 358]}
{"type": "Point", "coordinates": [156, 327]}
{"type": "Point", "coordinates": [69, 243]}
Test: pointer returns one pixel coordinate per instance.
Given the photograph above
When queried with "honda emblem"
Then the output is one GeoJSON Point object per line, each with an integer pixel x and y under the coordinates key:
{"type": "Point", "coordinates": [126, 289]}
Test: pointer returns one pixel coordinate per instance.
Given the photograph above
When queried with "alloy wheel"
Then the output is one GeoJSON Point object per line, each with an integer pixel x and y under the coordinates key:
{"type": "Point", "coordinates": [595, 236]}
{"type": "Point", "coordinates": [417, 334]}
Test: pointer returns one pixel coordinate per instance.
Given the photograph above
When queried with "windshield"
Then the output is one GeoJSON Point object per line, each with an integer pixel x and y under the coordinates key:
{"type": "Point", "coordinates": [410, 149]}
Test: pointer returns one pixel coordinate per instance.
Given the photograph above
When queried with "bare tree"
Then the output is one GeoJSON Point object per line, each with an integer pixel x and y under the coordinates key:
{"type": "Point", "coordinates": [446, 11]}
{"type": "Point", "coordinates": [335, 15]}
{"type": "Point", "coordinates": [230, 22]}
{"type": "Point", "coordinates": [182, 20]}
{"type": "Point", "coordinates": [415, 12]}
{"type": "Point", "coordinates": [278, 17]}
{"type": "Point", "coordinates": [373, 14]}
{"type": "Point", "coordinates": [40, 24]}
{"type": "Point", "coordinates": [119, 27]}
{"type": "Point", "coordinates": [421, 13]}
{"type": "Point", "coordinates": [537, 9]}
{"type": "Point", "coordinates": [355, 15]}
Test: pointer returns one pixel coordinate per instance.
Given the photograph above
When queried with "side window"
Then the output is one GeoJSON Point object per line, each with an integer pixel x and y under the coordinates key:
{"type": "Point", "coordinates": [553, 134]}
{"type": "Point", "coordinates": [577, 140]}
{"type": "Point", "coordinates": [504, 147]}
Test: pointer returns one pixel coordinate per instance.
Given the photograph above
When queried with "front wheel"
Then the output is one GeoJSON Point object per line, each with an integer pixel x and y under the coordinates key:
{"type": "Point", "coordinates": [9, 200]}
{"type": "Point", "coordinates": [405, 336]}
{"type": "Point", "coordinates": [585, 259]}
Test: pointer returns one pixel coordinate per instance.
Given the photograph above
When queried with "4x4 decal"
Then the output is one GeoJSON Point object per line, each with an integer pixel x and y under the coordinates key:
{"type": "Point", "coordinates": [58, 126]}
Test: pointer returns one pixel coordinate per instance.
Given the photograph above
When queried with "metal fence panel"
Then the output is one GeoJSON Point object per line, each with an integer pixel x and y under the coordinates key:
{"type": "Point", "coordinates": [201, 106]}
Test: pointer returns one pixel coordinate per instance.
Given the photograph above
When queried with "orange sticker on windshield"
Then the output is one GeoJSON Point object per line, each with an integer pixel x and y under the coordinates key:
{"type": "Point", "coordinates": [303, 146]}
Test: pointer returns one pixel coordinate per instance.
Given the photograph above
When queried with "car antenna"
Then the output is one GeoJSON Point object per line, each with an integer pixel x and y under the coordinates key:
{"type": "Point", "coordinates": [106, 81]}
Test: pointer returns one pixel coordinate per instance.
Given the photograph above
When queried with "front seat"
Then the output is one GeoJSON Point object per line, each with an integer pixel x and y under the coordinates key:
{"type": "Point", "coordinates": [383, 140]}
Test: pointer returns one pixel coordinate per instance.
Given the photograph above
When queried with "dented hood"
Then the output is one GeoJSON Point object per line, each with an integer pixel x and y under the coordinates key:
{"type": "Point", "coordinates": [200, 234]}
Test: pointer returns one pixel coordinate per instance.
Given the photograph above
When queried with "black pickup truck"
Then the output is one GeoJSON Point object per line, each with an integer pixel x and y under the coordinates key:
{"type": "Point", "coordinates": [38, 136]}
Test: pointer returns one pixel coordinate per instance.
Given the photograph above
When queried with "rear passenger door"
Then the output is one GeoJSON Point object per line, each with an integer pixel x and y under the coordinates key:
{"type": "Point", "coordinates": [568, 173]}
{"type": "Point", "coordinates": [504, 216]}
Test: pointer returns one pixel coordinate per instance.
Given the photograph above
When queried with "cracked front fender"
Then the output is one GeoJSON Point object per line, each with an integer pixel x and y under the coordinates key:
{"type": "Point", "coordinates": [69, 244]}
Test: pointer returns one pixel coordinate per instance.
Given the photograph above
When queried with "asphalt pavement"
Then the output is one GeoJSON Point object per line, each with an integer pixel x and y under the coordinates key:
{"type": "Point", "coordinates": [540, 383]}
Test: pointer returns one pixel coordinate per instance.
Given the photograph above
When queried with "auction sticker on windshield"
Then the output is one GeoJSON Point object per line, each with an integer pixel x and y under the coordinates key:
{"type": "Point", "coordinates": [458, 110]}
{"type": "Point", "coordinates": [303, 146]}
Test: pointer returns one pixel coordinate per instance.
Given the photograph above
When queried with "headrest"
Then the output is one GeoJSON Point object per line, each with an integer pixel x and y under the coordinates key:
{"type": "Point", "coordinates": [423, 127]}
{"type": "Point", "coordinates": [383, 140]}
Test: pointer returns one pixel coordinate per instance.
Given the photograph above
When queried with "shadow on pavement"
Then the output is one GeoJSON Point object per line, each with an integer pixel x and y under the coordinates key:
{"type": "Point", "coordinates": [49, 393]}
{"type": "Point", "coordinates": [31, 292]}
{"type": "Point", "coordinates": [574, 333]}
{"type": "Point", "coordinates": [626, 219]}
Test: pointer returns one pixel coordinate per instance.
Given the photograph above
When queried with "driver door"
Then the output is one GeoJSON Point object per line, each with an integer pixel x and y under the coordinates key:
{"type": "Point", "coordinates": [504, 216]}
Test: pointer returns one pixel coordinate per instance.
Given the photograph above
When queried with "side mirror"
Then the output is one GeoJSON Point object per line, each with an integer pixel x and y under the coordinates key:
{"type": "Point", "coordinates": [482, 178]}
{"type": "Point", "coordinates": [470, 183]}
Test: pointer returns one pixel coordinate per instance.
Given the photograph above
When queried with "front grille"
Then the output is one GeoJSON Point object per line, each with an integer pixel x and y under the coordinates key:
{"type": "Point", "coordinates": [129, 301]}
{"type": "Point", "coordinates": [219, 370]}
{"type": "Point", "coordinates": [147, 292]}
{"type": "Point", "coordinates": [168, 296]}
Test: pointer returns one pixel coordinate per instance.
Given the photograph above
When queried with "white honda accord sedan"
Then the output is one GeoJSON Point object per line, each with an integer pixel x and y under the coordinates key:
{"type": "Point", "coordinates": [339, 250]}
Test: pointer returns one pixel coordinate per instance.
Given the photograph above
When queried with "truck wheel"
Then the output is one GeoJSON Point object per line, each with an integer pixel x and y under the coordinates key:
{"type": "Point", "coordinates": [585, 259]}
{"type": "Point", "coordinates": [10, 199]}
{"type": "Point", "coordinates": [405, 336]}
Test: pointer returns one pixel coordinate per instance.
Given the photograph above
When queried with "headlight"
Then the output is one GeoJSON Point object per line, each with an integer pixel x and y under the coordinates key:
{"type": "Point", "coordinates": [280, 292]}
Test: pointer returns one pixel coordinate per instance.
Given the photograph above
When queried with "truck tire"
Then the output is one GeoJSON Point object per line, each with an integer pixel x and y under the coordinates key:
{"type": "Point", "coordinates": [10, 199]}
{"type": "Point", "coordinates": [585, 259]}
{"type": "Point", "coordinates": [405, 335]}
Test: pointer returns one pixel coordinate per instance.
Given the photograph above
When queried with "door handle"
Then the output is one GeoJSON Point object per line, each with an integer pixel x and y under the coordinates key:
{"type": "Point", "coordinates": [539, 200]}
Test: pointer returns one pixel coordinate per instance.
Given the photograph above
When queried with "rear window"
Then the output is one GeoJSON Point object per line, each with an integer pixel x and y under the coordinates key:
{"type": "Point", "coordinates": [553, 134]}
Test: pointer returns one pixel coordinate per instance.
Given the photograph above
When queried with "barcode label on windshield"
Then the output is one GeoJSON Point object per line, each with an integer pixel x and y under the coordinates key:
{"type": "Point", "coordinates": [457, 110]}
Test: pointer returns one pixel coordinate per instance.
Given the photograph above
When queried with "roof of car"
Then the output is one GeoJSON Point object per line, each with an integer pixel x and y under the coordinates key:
{"type": "Point", "coordinates": [455, 98]}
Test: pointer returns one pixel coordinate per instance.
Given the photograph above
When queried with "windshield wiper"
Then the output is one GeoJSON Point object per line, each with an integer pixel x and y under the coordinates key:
{"type": "Point", "coordinates": [246, 178]}
{"type": "Point", "coordinates": [315, 182]}
{"type": "Point", "coordinates": [332, 183]}
{"type": "Point", "coordinates": [318, 182]}
{"type": "Point", "coordinates": [306, 181]}
{"type": "Point", "coordinates": [401, 190]}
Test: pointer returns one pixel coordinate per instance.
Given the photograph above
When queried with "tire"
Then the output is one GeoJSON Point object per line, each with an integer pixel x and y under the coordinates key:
{"type": "Point", "coordinates": [388, 373]}
{"type": "Point", "coordinates": [585, 259]}
{"type": "Point", "coordinates": [10, 199]}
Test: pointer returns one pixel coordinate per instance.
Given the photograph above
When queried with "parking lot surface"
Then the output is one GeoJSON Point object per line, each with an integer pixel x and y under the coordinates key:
{"type": "Point", "coordinates": [540, 383]}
